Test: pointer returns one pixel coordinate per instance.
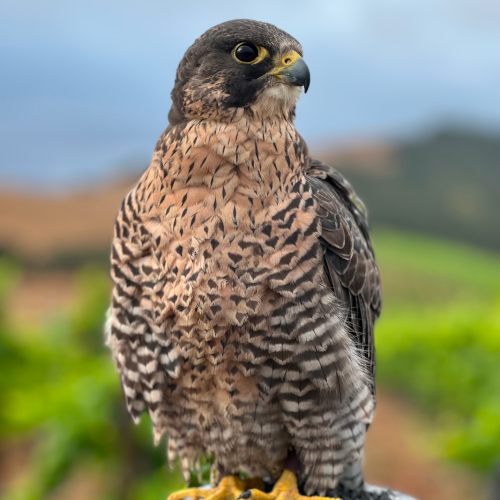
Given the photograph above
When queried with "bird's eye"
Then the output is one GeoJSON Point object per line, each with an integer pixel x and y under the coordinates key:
{"type": "Point", "coordinates": [246, 53]}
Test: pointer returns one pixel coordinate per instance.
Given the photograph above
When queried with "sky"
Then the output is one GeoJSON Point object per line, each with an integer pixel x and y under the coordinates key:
{"type": "Point", "coordinates": [85, 85]}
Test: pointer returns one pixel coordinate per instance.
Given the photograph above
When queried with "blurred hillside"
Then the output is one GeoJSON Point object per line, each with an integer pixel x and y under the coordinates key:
{"type": "Point", "coordinates": [64, 230]}
{"type": "Point", "coordinates": [447, 184]}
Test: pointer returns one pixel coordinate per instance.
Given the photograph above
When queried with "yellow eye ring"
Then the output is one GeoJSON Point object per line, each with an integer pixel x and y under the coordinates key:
{"type": "Point", "coordinates": [249, 51]}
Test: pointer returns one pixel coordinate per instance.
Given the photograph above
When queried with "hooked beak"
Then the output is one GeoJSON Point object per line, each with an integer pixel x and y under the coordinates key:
{"type": "Point", "coordinates": [293, 70]}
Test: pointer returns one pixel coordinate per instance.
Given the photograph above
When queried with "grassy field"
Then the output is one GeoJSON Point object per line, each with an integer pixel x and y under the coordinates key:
{"type": "Point", "coordinates": [438, 344]}
{"type": "Point", "coordinates": [438, 340]}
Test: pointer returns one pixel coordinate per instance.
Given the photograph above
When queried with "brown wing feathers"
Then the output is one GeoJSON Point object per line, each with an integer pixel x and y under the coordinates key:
{"type": "Point", "coordinates": [348, 254]}
{"type": "Point", "coordinates": [142, 350]}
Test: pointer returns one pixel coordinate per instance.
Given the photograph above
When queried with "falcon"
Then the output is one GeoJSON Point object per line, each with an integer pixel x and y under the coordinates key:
{"type": "Point", "coordinates": [245, 284]}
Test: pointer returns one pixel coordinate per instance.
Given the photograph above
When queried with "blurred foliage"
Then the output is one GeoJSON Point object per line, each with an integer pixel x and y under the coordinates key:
{"type": "Point", "coordinates": [438, 340]}
{"type": "Point", "coordinates": [61, 393]}
{"type": "Point", "coordinates": [438, 343]}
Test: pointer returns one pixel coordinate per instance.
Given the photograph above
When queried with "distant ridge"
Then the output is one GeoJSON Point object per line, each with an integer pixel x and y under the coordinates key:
{"type": "Point", "coordinates": [40, 229]}
{"type": "Point", "coordinates": [447, 184]}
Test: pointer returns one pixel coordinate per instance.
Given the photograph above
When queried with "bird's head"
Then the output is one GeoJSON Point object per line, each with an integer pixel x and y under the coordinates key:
{"type": "Point", "coordinates": [238, 65]}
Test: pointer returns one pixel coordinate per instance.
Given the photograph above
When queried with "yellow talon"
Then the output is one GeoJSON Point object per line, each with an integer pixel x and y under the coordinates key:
{"type": "Point", "coordinates": [229, 488]}
{"type": "Point", "coordinates": [285, 489]}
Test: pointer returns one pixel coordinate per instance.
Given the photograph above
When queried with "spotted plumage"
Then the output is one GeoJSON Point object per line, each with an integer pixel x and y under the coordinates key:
{"type": "Point", "coordinates": [245, 286]}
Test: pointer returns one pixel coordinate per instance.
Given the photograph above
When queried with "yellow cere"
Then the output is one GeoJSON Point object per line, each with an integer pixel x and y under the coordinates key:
{"type": "Point", "coordinates": [286, 60]}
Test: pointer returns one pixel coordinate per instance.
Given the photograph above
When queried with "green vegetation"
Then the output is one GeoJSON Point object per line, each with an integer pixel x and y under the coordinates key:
{"type": "Point", "coordinates": [438, 340]}
{"type": "Point", "coordinates": [438, 344]}
{"type": "Point", "coordinates": [59, 393]}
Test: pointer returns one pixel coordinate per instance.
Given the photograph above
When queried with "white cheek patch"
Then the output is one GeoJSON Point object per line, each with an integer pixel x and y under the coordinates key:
{"type": "Point", "coordinates": [279, 98]}
{"type": "Point", "coordinates": [283, 92]}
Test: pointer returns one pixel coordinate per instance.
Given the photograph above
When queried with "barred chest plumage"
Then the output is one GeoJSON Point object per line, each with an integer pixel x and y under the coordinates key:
{"type": "Point", "coordinates": [244, 321]}
{"type": "Point", "coordinates": [233, 219]}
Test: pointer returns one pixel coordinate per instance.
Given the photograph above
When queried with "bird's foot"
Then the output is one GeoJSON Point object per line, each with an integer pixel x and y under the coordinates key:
{"type": "Point", "coordinates": [285, 489]}
{"type": "Point", "coordinates": [229, 488]}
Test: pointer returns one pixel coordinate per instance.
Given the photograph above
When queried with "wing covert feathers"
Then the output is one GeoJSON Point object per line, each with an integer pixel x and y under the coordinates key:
{"type": "Point", "coordinates": [142, 349]}
{"type": "Point", "coordinates": [348, 255]}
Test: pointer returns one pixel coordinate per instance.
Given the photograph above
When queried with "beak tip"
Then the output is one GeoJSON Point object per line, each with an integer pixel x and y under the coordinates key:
{"type": "Point", "coordinates": [297, 74]}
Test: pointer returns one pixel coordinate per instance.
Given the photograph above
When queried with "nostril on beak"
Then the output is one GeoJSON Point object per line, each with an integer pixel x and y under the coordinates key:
{"type": "Point", "coordinates": [287, 60]}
